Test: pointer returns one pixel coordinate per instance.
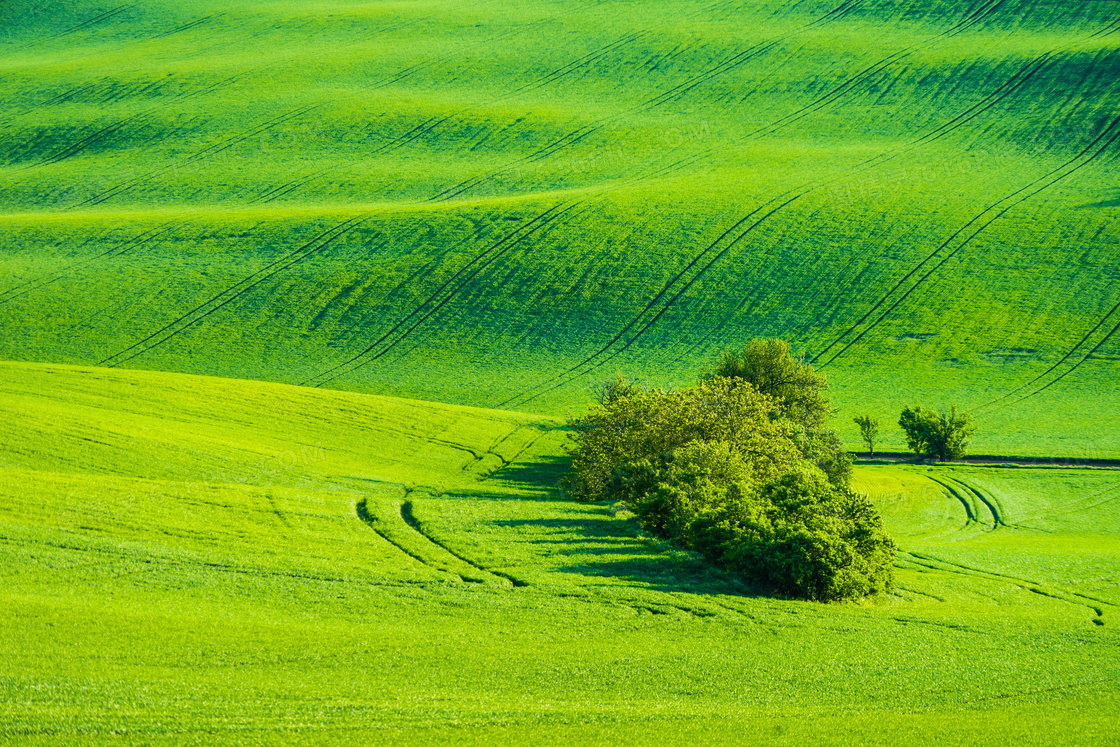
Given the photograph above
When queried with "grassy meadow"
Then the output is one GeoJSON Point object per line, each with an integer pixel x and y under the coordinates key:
{"type": "Point", "coordinates": [295, 296]}
{"type": "Point", "coordinates": [501, 205]}
{"type": "Point", "coordinates": [198, 560]}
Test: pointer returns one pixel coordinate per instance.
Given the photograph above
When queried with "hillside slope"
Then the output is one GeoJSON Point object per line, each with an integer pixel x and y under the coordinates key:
{"type": "Point", "coordinates": [503, 205]}
{"type": "Point", "coordinates": [196, 560]}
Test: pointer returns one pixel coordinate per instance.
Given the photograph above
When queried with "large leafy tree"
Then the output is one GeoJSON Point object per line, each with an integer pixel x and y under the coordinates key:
{"type": "Point", "coordinates": [770, 366]}
{"type": "Point", "coordinates": [631, 424]}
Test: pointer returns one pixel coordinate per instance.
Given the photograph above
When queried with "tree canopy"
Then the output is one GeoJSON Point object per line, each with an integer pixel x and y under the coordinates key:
{"type": "Point", "coordinates": [770, 366]}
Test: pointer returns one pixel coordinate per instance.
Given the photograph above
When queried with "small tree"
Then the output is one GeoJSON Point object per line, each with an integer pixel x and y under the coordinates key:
{"type": "Point", "coordinates": [940, 436]}
{"type": "Point", "coordinates": [868, 430]}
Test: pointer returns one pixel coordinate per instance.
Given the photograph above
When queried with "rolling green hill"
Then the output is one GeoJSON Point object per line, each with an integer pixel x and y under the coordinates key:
{"type": "Point", "coordinates": [294, 296]}
{"type": "Point", "coordinates": [198, 560]}
{"type": "Point", "coordinates": [501, 205]}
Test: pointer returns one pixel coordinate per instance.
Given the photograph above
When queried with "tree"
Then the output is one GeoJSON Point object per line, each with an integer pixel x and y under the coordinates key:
{"type": "Point", "coordinates": [798, 393]}
{"type": "Point", "coordinates": [772, 369]}
{"type": "Point", "coordinates": [868, 430]}
{"type": "Point", "coordinates": [633, 424]}
{"type": "Point", "coordinates": [941, 436]}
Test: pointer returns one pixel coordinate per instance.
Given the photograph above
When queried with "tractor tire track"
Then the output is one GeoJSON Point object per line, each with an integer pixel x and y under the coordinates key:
{"type": "Point", "coordinates": [92, 139]}
{"type": "Point", "coordinates": [1084, 339]}
{"type": "Point", "coordinates": [968, 510]}
{"type": "Point", "coordinates": [1087, 503]}
{"type": "Point", "coordinates": [41, 282]}
{"type": "Point", "coordinates": [234, 292]}
{"type": "Point", "coordinates": [989, 503]}
{"type": "Point", "coordinates": [432, 123]}
{"type": "Point", "coordinates": [1075, 366]}
{"type": "Point", "coordinates": [581, 133]}
{"type": "Point", "coordinates": [361, 508]}
{"type": "Point", "coordinates": [468, 272]}
{"type": "Point", "coordinates": [1009, 87]}
{"type": "Point", "coordinates": [986, 8]}
{"type": "Point", "coordinates": [409, 518]}
{"type": "Point", "coordinates": [578, 369]}
{"type": "Point", "coordinates": [652, 175]}
{"type": "Point", "coordinates": [94, 21]}
{"type": "Point", "coordinates": [1006, 89]}
{"type": "Point", "coordinates": [743, 57]}
{"type": "Point", "coordinates": [190, 25]}
{"type": "Point", "coordinates": [552, 77]}
{"type": "Point", "coordinates": [89, 23]}
{"type": "Point", "coordinates": [206, 152]}
{"type": "Point", "coordinates": [1100, 144]}
{"type": "Point", "coordinates": [938, 564]}
{"type": "Point", "coordinates": [66, 95]}
{"type": "Point", "coordinates": [1108, 30]}
{"type": "Point", "coordinates": [574, 65]}
{"type": "Point", "coordinates": [98, 136]}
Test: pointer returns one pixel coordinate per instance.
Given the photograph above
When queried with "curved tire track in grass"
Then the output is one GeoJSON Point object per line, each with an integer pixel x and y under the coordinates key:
{"type": "Point", "coordinates": [430, 124]}
{"type": "Point", "coordinates": [1007, 88]}
{"type": "Point", "coordinates": [989, 503]}
{"type": "Point", "coordinates": [410, 519]}
{"type": "Point", "coordinates": [593, 361]}
{"type": "Point", "coordinates": [581, 133]}
{"type": "Point", "coordinates": [968, 508]}
{"type": "Point", "coordinates": [1047, 590]}
{"type": "Point", "coordinates": [141, 239]}
{"type": "Point", "coordinates": [1002, 92]}
{"type": "Point", "coordinates": [987, 7]}
{"type": "Point", "coordinates": [206, 152]}
{"type": "Point", "coordinates": [1072, 351]}
{"type": "Point", "coordinates": [361, 508]}
{"type": "Point", "coordinates": [1108, 30]}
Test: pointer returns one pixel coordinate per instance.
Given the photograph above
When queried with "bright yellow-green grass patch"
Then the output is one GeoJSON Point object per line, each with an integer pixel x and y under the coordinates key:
{"type": "Point", "coordinates": [192, 559]}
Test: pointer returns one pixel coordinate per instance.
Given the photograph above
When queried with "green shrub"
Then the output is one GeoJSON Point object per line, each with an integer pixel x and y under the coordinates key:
{"type": "Point", "coordinates": [936, 436]}
{"type": "Point", "coordinates": [631, 424]}
{"type": "Point", "coordinates": [724, 469]}
{"type": "Point", "coordinates": [798, 534]}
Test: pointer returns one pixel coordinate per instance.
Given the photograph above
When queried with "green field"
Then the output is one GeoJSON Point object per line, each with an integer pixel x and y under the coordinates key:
{"type": "Point", "coordinates": [500, 205]}
{"type": "Point", "coordinates": [296, 295]}
{"type": "Point", "coordinates": [192, 559]}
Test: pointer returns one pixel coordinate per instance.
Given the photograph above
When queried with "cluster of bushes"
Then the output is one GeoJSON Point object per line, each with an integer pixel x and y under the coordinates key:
{"type": "Point", "coordinates": [741, 468]}
{"type": "Point", "coordinates": [940, 436]}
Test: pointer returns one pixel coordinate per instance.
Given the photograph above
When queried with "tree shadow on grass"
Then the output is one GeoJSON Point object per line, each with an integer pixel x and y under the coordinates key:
{"type": "Point", "coordinates": [589, 541]}
{"type": "Point", "coordinates": [539, 478]}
